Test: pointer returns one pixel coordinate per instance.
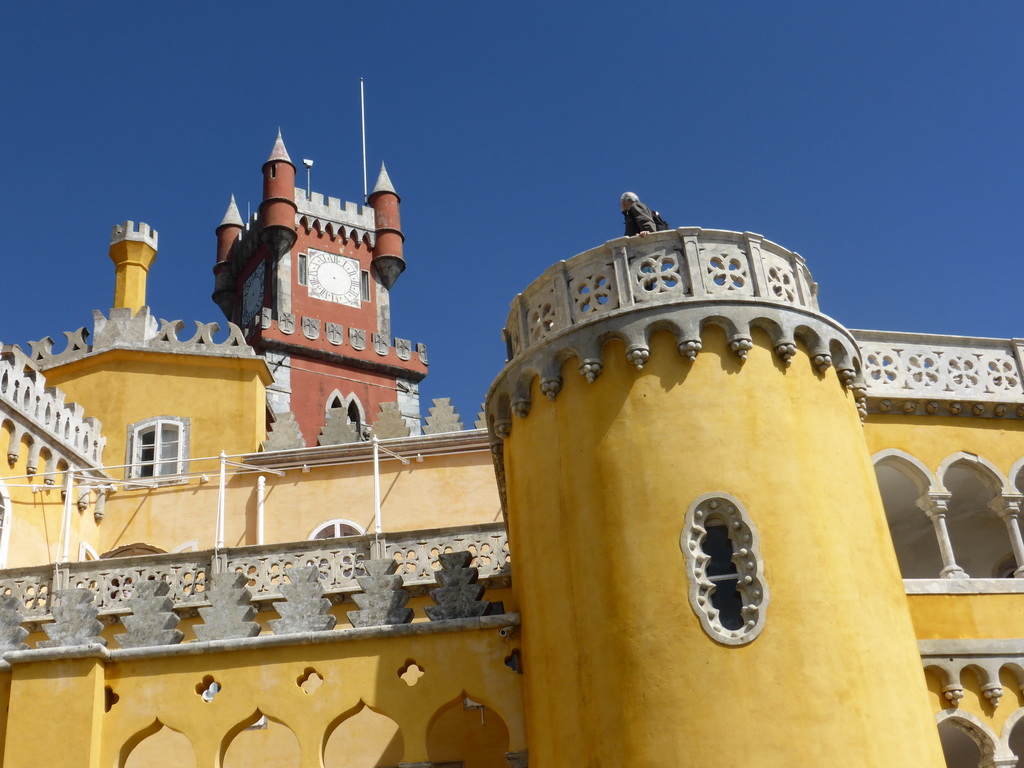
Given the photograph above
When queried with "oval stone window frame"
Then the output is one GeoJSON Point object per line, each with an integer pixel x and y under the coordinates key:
{"type": "Point", "coordinates": [724, 509]}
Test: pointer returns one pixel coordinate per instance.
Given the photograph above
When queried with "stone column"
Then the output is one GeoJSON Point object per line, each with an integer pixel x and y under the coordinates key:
{"type": "Point", "coordinates": [936, 505]}
{"type": "Point", "coordinates": [1007, 507]}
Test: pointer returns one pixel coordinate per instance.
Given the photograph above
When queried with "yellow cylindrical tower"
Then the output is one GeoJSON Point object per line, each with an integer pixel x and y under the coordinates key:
{"type": "Point", "coordinates": [702, 560]}
{"type": "Point", "coordinates": [133, 251]}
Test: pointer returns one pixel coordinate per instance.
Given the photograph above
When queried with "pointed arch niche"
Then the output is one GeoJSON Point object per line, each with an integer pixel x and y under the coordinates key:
{"type": "Point", "coordinates": [363, 738]}
{"type": "Point", "coordinates": [352, 406]}
{"type": "Point", "coordinates": [158, 746]}
{"type": "Point", "coordinates": [467, 731]}
{"type": "Point", "coordinates": [260, 740]}
{"type": "Point", "coordinates": [979, 535]}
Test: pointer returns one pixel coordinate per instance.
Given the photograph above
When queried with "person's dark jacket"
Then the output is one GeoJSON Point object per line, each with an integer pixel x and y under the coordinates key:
{"type": "Point", "coordinates": [638, 219]}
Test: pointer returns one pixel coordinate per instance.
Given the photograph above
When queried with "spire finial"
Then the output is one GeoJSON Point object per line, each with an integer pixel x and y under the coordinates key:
{"type": "Point", "coordinates": [232, 216]}
{"type": "Point", "coordinates": [279, 152]}
{"type": "Point", "coordinates": [383, 182]}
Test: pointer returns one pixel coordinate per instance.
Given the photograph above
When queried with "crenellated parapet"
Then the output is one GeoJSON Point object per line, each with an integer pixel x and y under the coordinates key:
{"type": "Point", "coordinates": [58, 433]}
{"type": "Point", "coordinates": [335, 217]}
{"type": "Point", "coordinates": [677, 281]}
{"type": "Point", "coordinates": [123, 329]}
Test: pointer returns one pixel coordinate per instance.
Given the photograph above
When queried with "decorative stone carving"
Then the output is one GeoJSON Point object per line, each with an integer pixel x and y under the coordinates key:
{"type": "Point", "coordinates": [153, 620]}
{"type": "Point", "coordinates": [357, 338]}
{"type": "Point", "coordinates": [286, 323]}
{"type": "Point", "coordinates": [230, 613]}
{"type": "Point", "coordinates": [266, 318]}
{"type": "Point", "coordinates": [988, 659]}
{"type": "Point", "coordinates": [284, 434]}
{"type": "Point", "coordinates": [338, 429]}
{"type": "Point", "coordinates": [421, 352]}
{"type": "Point", "coordinates": [442, 418]}
{"type": "Point", "coordinates": [481, 417]}
{"type": "Point", "coordinates": [403, 348]}
{"type": "Point", "coordinates": [390, 423]}
{"type": "Point", "coordinates": [382, 601]}
{"type": "Point", "coordinates": [11, 632]}
{"type": "Point", "coordinates": [459, 595]}
{"type": "Point", "coordinates": [380, 344]}
{"type": "Point", "coordinates": [658, 273]}
{"type": "Point", "coordinates": [311, 328]}
{"type": "Point", "coordinates": [304, 609]}
{"type": "Point", "coordinates": [75, 620]}
{"type": "Point", "coordinates": [713, 521]}
{"type": "Point", "coordinates": [334, 333]}
{"type": "Point", "coordinates": [549, 386]}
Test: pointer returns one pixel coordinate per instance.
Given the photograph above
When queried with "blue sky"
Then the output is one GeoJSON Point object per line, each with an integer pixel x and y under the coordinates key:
{"type": "Point", "coordinates": [882, 141]}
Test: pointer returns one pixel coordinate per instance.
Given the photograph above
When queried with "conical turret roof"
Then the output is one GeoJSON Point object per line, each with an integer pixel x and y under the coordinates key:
{"type": "Point", "coordinates": [232, 217]}
{"type": "Point", "coordinates": [383, 182]}
{"type": "Point", "coordinates": [279, 152]}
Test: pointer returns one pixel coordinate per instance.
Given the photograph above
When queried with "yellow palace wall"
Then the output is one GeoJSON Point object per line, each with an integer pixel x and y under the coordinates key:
{"type": "Point", "coordinates": [599, 481]}
{"type": "Point", "coordinates": [225, 397]}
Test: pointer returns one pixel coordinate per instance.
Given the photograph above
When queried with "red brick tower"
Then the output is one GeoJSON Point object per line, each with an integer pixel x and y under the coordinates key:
{"type": "Point", "coordinates": [308, 280]}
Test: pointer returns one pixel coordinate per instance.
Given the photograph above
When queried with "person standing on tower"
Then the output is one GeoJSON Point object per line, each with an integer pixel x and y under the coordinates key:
{"type": "Point", "coordinates": [640, 220]}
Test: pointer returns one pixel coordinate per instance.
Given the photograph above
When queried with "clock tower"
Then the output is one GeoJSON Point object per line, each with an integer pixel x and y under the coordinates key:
{"type": "Point", "coordinates": [308, 280]}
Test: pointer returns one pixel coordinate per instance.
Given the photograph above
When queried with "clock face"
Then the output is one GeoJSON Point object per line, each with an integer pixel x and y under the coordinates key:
{"type": "Point", "coordinates": [252, 294]}
{"type": "Point", "coordinates": [333, 278]}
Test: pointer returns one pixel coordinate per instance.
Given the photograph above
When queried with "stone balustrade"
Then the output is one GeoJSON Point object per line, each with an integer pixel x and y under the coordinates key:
{"type": "Point", "coordinates": [663, 268]}
{"type": "Point", "coordinates": [911, 372]}
{"type": "Point", "coordinates": [339, 562]}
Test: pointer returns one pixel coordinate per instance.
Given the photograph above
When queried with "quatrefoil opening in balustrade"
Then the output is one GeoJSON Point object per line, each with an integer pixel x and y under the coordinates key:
{"type": "Point", "coordinates": [208, 688]}
{"type": "Point", "coordinates": [309, 681]}
{"type": "Point", "coordinates": [654, 275]}
{"type": "Point", "coordinates": [726, 273]}
{"type": "Point", "coordinates": [592, 294]}
{"type": "Point", "coordinates": [411, 672]}
{"type": "Point", "coordinates": [780, 283]}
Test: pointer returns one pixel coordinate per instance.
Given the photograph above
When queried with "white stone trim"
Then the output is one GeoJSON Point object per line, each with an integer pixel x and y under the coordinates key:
{"type": "Point", "coordinates": [86, 552]}
{"type": "Point", "coordinates": [900, 461]}
{"type": "Point", "coordinates": [188, 546]}
{"type": "Point", "coordinates": [337, 521]}
{"type": "Point", "coordinates": [980, 734]}
{"type": "Point", "coordinates": [985, 469]}
{"type": "Point", "coordinates": [746, 555]}
{"type": "Point", "coordinates": [963, 586]}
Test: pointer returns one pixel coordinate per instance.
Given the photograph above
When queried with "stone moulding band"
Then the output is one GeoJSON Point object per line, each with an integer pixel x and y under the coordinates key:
{"type": "Point", "coordinates": [948, 659]}
{"type": "Point", "coordinates": [827, 342]}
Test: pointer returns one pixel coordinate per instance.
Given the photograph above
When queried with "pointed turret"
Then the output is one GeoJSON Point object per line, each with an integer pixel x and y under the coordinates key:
{"type": "Point", "coordinates": [228, 232]}
{"type": "Point", "coordinates": [388, 259]}
{"type": "Point", "coordinates": [277, 211]}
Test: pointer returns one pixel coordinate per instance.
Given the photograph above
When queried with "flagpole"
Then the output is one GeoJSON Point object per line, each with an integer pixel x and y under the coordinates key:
{"type": "Point", "coordinates": [362, 115]}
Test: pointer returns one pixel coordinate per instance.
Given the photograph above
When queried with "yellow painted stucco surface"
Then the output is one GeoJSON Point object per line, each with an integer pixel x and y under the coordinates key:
{"type": "Point", "coordinates": [599, 481]}
{"type": "Point", "coordinates": [143, 698]}
{"type": "Point", "coordinates": [225, 397]}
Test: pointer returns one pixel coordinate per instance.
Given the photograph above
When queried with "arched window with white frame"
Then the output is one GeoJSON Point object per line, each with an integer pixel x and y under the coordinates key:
{"type": "Point", "coordinates": [335, 529]}
{"type": "Point", "coordinates": [158, 447]}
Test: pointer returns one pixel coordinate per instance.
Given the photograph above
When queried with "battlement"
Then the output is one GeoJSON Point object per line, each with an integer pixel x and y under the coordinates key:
{"type": "Point", "coordinates": [124, 330]}
{"type": "Point", "coordinates": [352, 221]}
{"type": "Point", "coordinates": [42, 415]}
{"type": "Point", "coordinates": [127, 230]}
